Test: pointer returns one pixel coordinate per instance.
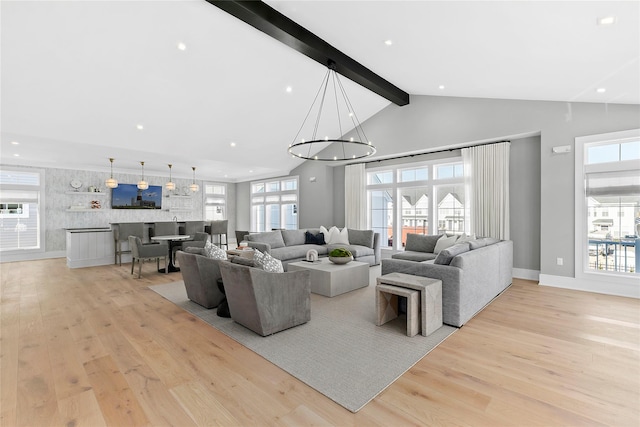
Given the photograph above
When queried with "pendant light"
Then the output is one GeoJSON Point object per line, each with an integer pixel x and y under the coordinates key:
{"type": "Point", "coordinates": [170, 185]}
{"type": "Point", "coordinates": [332, 148]}
{"type": "Point", "coordinates": [111, 182]}
{"type": "Point", "coordinates": [194, 187]}
{"type": "Point", "coordinates": [142, 184]}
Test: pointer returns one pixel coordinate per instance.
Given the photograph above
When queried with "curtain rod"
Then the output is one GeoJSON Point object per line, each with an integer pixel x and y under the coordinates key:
{"type": "Point", "coordinates": [404, 156]}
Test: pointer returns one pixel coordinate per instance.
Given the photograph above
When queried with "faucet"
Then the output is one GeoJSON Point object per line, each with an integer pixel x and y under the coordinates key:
{"type": "Point", "coordinates": [175, 219]}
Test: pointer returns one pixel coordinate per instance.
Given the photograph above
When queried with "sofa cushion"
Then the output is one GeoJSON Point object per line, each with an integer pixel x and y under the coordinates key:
{"type": "Point", "coordinates": [267, 262]}
{"type": "Point", "coordinates": [421, 242]}
{"type": "Point", "coordinates": [444, 242]}
{"type": "Point", "coordinates": [446, 255]}
{"type": "Point", "coordinates": [273, 238]}
{"type": "Point", "coordinates": [214, 252]}
{"type": "Point", "coordinates": [296, 252]}
{"type": "Point", "coordinates": [243, 261]}
{"type": "Point", "coordinates": [481, 242]}
{"type": "Point", "coordinates": [357, 251]}
{"type": "Point", "coordinates": [466, 238]}
{"type": "Point", "coordinates": [314, 239]}
{"type": "Point", "coordinates": [293, 237]}
{"type": "Point", "coordinates": [195, 250]}
{"type": "Point", "coordinates": [414, 256]}
{"type": "Point", "coordinates": [361, 237]}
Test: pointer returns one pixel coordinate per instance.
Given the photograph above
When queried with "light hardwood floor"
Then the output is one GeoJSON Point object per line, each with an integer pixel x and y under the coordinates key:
{"type": "Point", "coordinates": [95, 347]}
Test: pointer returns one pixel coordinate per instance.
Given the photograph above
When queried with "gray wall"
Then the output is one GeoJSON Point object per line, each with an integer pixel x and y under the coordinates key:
{"type": "Point", "coordinates": [431, 122]}
{"type": "Point", "coordinates": [524, 199]}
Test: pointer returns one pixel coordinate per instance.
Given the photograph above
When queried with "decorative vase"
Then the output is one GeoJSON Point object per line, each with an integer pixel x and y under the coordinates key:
{"type": "Point", "coordinates": [340, 259]}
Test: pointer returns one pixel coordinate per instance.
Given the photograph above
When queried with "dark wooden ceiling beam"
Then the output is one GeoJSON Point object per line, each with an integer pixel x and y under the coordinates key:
{"type": "Point", "coordinates": [268, 20]}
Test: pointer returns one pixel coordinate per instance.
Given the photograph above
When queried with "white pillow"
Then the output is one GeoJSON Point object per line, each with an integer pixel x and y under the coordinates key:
{"type": "Point", "coordinates": [444, 242]}
{"type": "Point", "coordinates": [334, 235]}
{"type": "Point", "coordinates": [214, 252]}
{"type": "Point", "coordinates": [268, 263]}
{"type": "Point", "coordinates": [340, 237]}
{"type": "Point", "coordinates": [466, 238]}
{"type": "Point", "coordinates": [324, 231]}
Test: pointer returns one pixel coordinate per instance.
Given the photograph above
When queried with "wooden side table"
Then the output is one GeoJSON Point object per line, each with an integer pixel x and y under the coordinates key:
{"type": "Point", "coordinates": [430, 297]}
{"type": "Point", "coordinates": [387, 305]}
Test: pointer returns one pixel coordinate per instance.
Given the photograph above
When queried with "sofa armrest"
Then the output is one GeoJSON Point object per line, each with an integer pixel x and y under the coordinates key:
{"type": "Point", "coordinates": [377, 252]}
{"type": "Point", "coordinates": [262, 247]}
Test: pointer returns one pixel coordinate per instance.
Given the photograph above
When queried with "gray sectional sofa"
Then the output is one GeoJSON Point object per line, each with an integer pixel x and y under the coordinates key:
{"type": "Point", "coordinates": [289, 245]}
{"type": "Point", "coordinates": [473, 273]}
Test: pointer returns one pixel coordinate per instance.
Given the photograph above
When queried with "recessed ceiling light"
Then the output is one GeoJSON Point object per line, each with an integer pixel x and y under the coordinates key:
{"type": "Point", "coordinates": [139, 127]}
{"type": "Point", "coordinates": [601, 90]}
{"type": "Point", "coordinates": [441, 87]}
{"type": "Point", "coordinates": [289, 89]}
{"type": "Point", "coordinates": [15, 143]}
{"type": "Point", "coordinates": [251, 171]}
{"type": "Point", "coordinates": [182, 46]}
{"type": "Point", "coordinates": [233, 144]}
{"type": "Point", "coordinates": [607, 20]}
{"type": "Point", "coordinates": [226, 176]}
{"type": "Point", "coordinates": [16, 155]}
{"type": "Point", "coordinates": [388, 42]}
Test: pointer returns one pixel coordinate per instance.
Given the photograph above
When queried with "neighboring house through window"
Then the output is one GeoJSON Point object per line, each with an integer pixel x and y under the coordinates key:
{"type": "Point", "coordinates": [21, 200]}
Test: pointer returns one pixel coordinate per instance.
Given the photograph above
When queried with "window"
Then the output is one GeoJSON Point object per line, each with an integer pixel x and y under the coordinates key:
{"type": "Point", "coordinates": [21, 194]}
{"type": "Point", "coordinates": [274, 204]}
{"type": "Point", "coordinates": [425, 205]}
{"type": "Point", "coordinates": [215, 202]}
{"type": "Point", "coordinates": [608, 187]}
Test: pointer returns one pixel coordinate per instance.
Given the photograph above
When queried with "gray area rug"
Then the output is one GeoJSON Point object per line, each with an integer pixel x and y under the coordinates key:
{"type": "Point", "coordinates": [340, 352]}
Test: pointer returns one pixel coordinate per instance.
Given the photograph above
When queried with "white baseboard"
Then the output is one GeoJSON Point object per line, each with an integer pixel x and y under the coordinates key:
{"type": "Point", "coordinates": [32, 256]}
{"type": "Point", "coordinates": [523, 273]}
{"type": "Point", "coordinates": [589, 285]}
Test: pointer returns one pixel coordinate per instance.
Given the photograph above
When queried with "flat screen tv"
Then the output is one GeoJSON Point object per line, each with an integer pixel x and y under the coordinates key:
{"type": "Point", "coordinates": [128, 196]}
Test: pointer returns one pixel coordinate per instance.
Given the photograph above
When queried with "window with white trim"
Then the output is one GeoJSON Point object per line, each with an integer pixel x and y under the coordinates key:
{"type": "Point", "coordinates": [215, 201]}
{"type": "Point", "coordinates": [417, 198]}
{"type": "Point", "coordinates": [608, 204]}
{"type": "Point", "coordinates": [21, 192]}
{"type": "Point", "coordinates": [274, 204]}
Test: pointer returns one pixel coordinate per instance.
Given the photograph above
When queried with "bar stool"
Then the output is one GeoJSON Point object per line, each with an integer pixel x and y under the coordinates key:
{"type": "Point", "coordinates": [219, 228]}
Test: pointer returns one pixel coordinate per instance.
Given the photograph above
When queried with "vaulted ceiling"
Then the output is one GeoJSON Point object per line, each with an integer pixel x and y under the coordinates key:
{"type": "Point", "coordinates": [79, 79]}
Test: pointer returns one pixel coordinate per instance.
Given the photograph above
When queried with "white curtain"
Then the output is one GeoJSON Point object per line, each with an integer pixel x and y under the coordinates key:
{"type": "Point", "coordinates": [486, 170]}
{"type": "Point", "coordinates": [355, 197]}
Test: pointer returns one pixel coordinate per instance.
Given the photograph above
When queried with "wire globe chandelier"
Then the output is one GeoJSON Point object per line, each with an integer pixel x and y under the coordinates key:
{"type": "Point", "coordinates": [326, 148]}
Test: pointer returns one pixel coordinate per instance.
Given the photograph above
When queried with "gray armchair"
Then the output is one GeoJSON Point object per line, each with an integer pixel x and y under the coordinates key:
{"type": "Point", "coordinates": [266, 302]}
{"type": "Point", "coordinates": [121, 233]}
{"type": "Point", "coordinates": [200, 275]}
{"type": "Point", "coordinates": [199, 240]}
{"type": "Point", "coordinates": [142, 252]}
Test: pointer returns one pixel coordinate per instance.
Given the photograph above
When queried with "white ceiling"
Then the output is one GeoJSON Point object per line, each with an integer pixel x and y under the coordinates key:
{"type": "Point", "coordinates": [78, 77]}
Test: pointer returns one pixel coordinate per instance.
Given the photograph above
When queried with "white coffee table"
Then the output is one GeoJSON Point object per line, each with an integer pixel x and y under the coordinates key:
{"type": "Point", "coordinates": [331, 279]}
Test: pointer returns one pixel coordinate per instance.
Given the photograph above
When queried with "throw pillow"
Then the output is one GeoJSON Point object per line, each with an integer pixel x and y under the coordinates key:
{"type": "Point", "coordinates": [444, 242]}
{"type": "Point", "coordinates": [446, 255]}
{"type": "Point", "coordinates": [421, 243]}
{"type": "Point", "coordinates": [466, 238]}
{"type": "Point", "coordinates": [340, 237]}
{"type": "Point", "coordinates": [267, 262]}
{"type": "Point", "coordinates": [361, 238]}
{"type": "Point", "coordinates": [314, 239]}
{"type": "Point", "coordinates": [214, 252]}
